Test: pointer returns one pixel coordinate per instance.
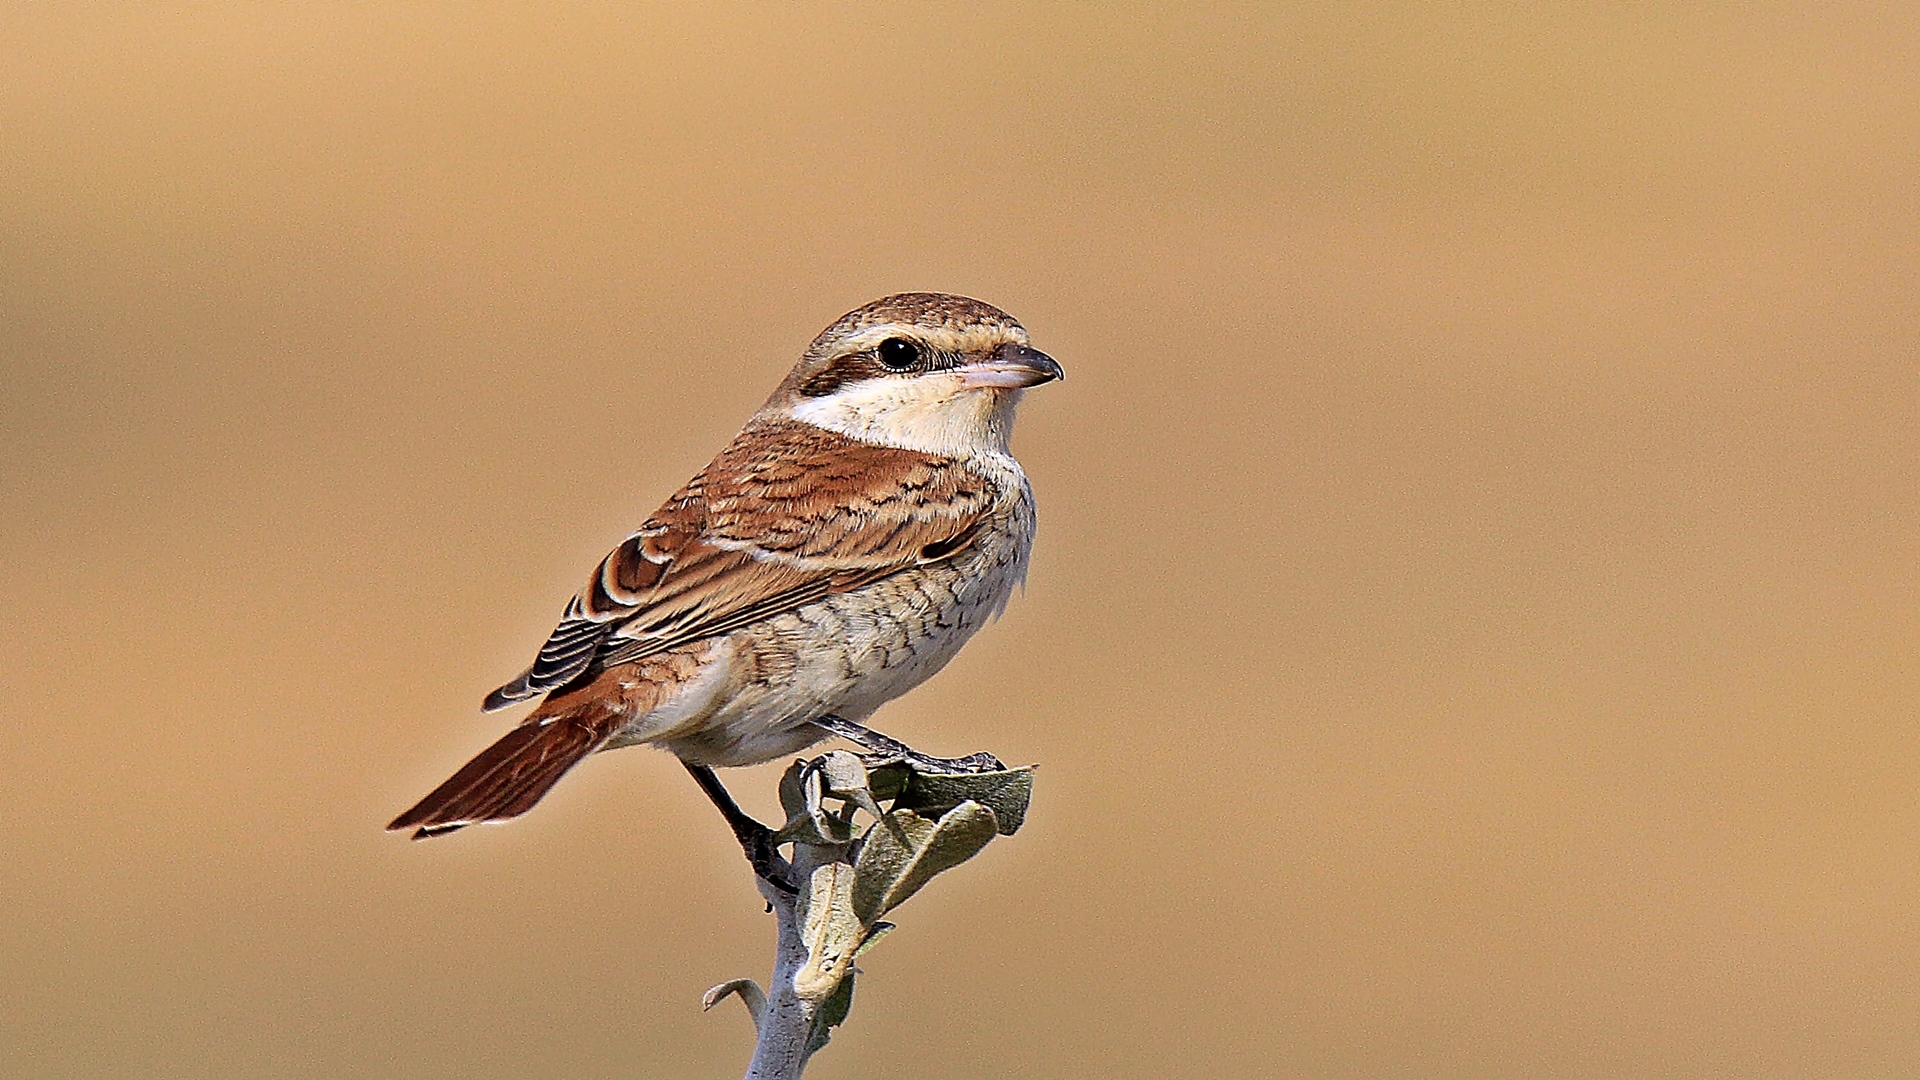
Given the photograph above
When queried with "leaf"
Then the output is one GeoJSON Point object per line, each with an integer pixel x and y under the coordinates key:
{"type": "Point", "coordinates": [792, 799]}
{"type": "Point", "coordinates": [829, 930]}
{"type": "Point", "coordinates": [812, 823]}
{"type": "Point", "coordinates": [1005, 792]}
{"type": "Point", "coordinates": [754, 998]}
{"type": "Point", "coordinates": [903, 851]}
{"type": "Point", "coordinates": [888, 781]}
{"type": "Point", "coordinates": [844, 776]}
{"type": "Point", "coordinates": [874, 934]}
{"type": "Point", "coordinates": [823, 830]}
{"type": "Point", "coordinates": [830, 1014]}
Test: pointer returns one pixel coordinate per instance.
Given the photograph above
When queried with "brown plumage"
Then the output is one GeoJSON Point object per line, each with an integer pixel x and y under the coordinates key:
{"type": "Point", "coordinates": [507, 778]}
{"type": "Point", "coordinates": [802, 517]}
{"type": "Point", "coordinates": [786, 514]}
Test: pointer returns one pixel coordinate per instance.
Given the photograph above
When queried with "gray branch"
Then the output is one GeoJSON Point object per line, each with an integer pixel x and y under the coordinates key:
{"type": "Point", "coordinates": [786, 1023]}
{"type": "Point", "coordinates": [845, 881]}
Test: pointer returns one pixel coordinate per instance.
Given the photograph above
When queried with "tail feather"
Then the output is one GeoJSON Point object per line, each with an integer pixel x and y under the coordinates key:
{"type": "Point", "coordinates": [505, 779]}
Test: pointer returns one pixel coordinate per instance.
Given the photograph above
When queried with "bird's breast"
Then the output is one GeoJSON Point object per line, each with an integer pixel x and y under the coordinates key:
{"type": "Point", "coordinates": [881, 640]}
{"type": "Point", "coordinates": [852, 652]}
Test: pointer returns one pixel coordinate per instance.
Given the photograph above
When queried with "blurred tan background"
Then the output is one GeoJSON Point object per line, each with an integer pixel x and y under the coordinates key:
{"type": "Point", "coordinates": [1473, 628]}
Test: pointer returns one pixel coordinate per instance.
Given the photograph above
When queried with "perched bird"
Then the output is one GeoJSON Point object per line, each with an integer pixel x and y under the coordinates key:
{"type": "Point", "coordinates": [836, 554]}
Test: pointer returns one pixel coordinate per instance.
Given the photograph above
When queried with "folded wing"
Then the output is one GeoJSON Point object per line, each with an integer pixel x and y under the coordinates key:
{"type": "Point", "coordinates": [787, 514]}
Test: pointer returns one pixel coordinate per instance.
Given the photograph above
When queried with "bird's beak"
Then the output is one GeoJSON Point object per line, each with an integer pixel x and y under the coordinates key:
{"type": "Point", "coordinates": [1011, 367]}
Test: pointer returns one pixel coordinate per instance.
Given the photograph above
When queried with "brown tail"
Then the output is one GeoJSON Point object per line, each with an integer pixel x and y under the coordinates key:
{"type": "Point", "coordinates": [506, 779]}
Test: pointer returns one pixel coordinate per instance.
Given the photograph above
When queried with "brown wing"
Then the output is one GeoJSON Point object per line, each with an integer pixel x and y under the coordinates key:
{"type": "Point", "coordinates": [787, 514]}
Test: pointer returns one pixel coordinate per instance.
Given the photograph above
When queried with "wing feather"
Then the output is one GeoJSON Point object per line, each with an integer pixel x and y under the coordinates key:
{"type": "Point", "coordinates": [786, 515]}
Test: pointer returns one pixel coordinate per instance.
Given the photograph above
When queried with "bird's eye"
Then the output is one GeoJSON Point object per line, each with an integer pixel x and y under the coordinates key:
{"type": "Point", "coordinates": [899, 354]}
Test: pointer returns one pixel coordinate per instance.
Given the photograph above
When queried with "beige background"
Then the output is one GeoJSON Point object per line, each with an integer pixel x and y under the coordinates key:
{"type": "Point", "coordinates": [1473, 628]}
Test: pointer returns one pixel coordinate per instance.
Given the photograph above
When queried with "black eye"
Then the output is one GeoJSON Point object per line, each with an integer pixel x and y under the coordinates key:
{"type": "Point", "coordinates": [899, 354]}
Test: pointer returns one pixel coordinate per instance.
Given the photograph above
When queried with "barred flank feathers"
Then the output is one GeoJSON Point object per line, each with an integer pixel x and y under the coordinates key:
{"type": "Point", "coordinates": [506, 779]}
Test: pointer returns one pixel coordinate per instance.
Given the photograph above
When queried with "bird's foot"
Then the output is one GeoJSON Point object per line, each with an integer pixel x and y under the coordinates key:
{"type": "Point", "coordinates": [886, 750]}
{"type": "Point", "coordinates": [756, 840]}
{"type": "Point", "coordinates": [763, 854]}
{"type": "Point", "coordinates": [981, 762]}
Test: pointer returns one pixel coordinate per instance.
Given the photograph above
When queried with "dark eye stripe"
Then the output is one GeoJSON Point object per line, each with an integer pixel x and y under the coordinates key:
{"type": "Point", "coordinates": [846, 369]}
{"type": "Point", "coordinates": [871, 364]}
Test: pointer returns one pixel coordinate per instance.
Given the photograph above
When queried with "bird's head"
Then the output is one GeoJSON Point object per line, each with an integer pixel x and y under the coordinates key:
{"type": "Point", "coordinates": [922, 371]}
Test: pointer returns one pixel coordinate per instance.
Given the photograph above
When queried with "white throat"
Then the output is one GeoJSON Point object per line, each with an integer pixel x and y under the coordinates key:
{"type": "Point", "coordinates": [932, 414]}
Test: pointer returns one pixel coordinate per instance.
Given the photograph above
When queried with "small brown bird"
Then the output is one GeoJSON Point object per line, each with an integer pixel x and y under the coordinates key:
{"type": "Point", "coordinates": [860, 528]}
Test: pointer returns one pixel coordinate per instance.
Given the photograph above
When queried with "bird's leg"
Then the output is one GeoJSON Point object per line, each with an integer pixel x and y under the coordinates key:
{"type": "Point", "coordinates": [763, 853]}
{"type": "Point", "coordinates": [891, 749]}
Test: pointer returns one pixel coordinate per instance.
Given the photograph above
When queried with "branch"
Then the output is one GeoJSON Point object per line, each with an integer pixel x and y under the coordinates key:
{"type": "Point", "coordinates": [848, 879]}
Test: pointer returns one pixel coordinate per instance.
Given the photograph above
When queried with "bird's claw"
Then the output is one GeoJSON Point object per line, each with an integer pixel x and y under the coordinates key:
{"type": "Point", "coordinates": [886, 750]}
{"type": "Point", "coordinates": [763, 854]}
{"type": "Point", "coordinates": [981, 762]}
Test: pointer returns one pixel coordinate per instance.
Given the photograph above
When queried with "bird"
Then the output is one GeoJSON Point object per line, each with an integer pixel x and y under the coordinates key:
{"type": "Point", "coordinates": [866, 521]}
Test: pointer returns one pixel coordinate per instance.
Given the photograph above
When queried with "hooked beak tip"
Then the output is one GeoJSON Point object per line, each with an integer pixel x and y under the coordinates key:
{"type": "Point", "coordinates": [1013, 367]}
